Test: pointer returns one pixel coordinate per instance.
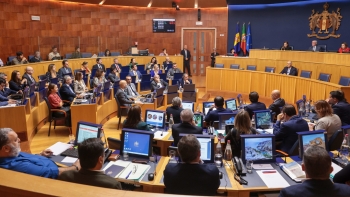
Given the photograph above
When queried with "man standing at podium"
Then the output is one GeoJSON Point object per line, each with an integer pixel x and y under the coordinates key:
{"type": "Point", "coordinates": [187, 58]}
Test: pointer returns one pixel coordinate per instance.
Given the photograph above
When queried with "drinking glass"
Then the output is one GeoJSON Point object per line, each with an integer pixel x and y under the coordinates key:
{"type": "Point", "coordinates": [218, 160]}
{"type": "Point", "coordinates": [172, 154]}
{"type": "Point", "coordinates": [249, 166]}
{"type": "Point", "coordinates": [125, 156]}
{"type": "Point", "coordinates": [344, 153]}
{"type": "Point", "coordinates": [71, 138]}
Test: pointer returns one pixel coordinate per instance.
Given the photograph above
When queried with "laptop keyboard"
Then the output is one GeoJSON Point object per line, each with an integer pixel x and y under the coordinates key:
{"type": "Point", "coordinates": [70, 152]}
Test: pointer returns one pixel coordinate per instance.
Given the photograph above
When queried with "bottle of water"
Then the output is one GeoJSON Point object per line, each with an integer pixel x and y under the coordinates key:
{"type": "Point", "coordinates": [344, 150]}
{"type": "Point", "coordinates": [307, 107]}
{"type": "Point", "coordinates": [301, 109]}
{"type": "Point", "coordinates": [218, 155]}
{"type": "Point", "coordinates": [171, 122]}
{"type": "Point", "coordinates": [181, 89]}
{"type": "Point", "coordinates": [228, 151]}
{"type": "Point", "coordinates": [253, 121]}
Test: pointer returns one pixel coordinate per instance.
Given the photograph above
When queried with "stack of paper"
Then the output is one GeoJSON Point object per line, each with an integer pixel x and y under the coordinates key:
{"type": "Point", "coordinates": [160, 135]}
{"type": "Point", "coordinates": [126, 170]}
{"type": "Point", "coordinates": [59, 147]}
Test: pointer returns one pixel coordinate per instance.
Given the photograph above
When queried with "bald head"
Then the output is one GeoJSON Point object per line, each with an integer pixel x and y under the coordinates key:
{"type": "Point", "coordinates": [29, 70]}
{"type": "Point", "coordinates": [122, 84]}
{"type": "Point", "coordinates": [289, 64]}
{"type": "Point", "coordinates": [275, 94]}
{"type": "Point", "coordinates": [186, 115]}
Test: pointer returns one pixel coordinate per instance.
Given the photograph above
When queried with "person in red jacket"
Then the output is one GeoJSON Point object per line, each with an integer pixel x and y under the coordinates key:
{"type": "Point", "coordinates": [344, 48]}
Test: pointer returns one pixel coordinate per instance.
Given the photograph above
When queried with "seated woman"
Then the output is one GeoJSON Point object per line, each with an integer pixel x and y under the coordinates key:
{"type": "Point", "coordinates": [344, 48]}
{"type": "Point", "coordinates": [327, 120]}
{"type": "Point", "coordinates": [99, 78]}
{"type": "Point", "coordinates": [56, 103]}
{"type": "Point", "coordinates": [150, 65]}
{"type": "Point", "coordinates": [84, 66]}
{"type": "Point", "coordinates": [233, 52]}
{"type": "Point", "coordinates": [107, 53]}
{"type": "Point", "coordinates": [242, 126]}
{"type": "Point", "coordinates": [175, 110]}
{"type": "Point", "coordinates": [51, 72]}
{"type": "Point", "coordinates": [134, 121]}
{"type": "Point", "coordinates": [286, 47]}
{"type": "Point", "coordinates": [16, 83]}
{"type": "Point", "coordinates": [163, 53]}
{"type": "Point", "coordinates": [79, 84]}
{"type": "Point", "coordinates": [132, 62]}
{"type": "Point", "coordinates": [155, 70]}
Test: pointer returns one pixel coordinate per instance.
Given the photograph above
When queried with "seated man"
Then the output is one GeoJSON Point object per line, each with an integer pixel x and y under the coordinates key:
{"type": "Point", "coordinates": [317, 165]}
{"type": "Point", "coordinates": [117, 65]}
{"type": "Point", "coordinates": [5, 92]}
{"type": "Point", "coordinates": [191, 177]}
{"type": "Point", "coordinates": [255, 105]}
{"type": "Point", "coordinates": [287, 131]}
{"type": "Point", "coordinates": [166, 62]}
{"type": "Point", "coordinates": [121, 95]}
{"type": "Point", "coordinates": [3, 99]}
{"type": "Point", "coordinates": [99, 65]}
{"type": "Point", "coordinates": [340, 106]}
{"type": "Point", "coordinates": [67, 90]}
{"type": "Point", "coordinates": [171, 71]}
{"type": "Point", "coordinates": [29, 76]}
{"type": "Point", "coordinates": [76, 54]}
{"type": "Point", "coordinates": [36, 57]}
{"type": "Point", "coordinates": [12, 158]}
{"type": "Point", "coordinates": [135, 72]}
{"type": "Point", "coordinates": [65, 69]}
{"type": "Point", "coordinates": [91, 156]}
{"type": "Point", "coordinates": [54, 55]}
{"type": "Point", "coordinates": [314, 47]}
{"type": "Point", "coordinates": [277, 102]}
{"type": "Point", "coordinates": [175, 110]}
{"type": "Point", "coordinates": [112, 76]}
{"type": "Point", "coordinates": [19, 59]}
{"type": "Point", "coordinates": [213, 115]}
{"type": "Point", "coordinates": [131, 90]}
{"type": "Point", "coordinates": [185, 80]}
{"type": "Point", "coordinates": [157, 83]}
{"type": "Point", "coordinates": [289, 70]}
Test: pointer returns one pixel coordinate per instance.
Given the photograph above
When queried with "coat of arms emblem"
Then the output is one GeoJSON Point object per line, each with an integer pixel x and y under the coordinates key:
{"type": "Point", "coordinates": [324, 25]}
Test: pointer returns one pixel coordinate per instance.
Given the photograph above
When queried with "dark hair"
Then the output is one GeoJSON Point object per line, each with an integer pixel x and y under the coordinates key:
{"type": "Point", "coordinates": [90, 150]}
{"type": "Point", "coordinates": [49, 68]}
{"type": "Point", "coordinates": [77, 47]}
{"type": "Point", "coordinates": [242, 123]}
{"type": "Point", "coordinates": [317, 162]}
{"type": "Point", "coordinates": [128, 76]}
{"type": "Point", "coordinates": [289, 110]}
{"type": "Point", "coordinates": [253, 97]}
{"type": "Point", "coordinates": [346, 45]}
{"type": "Point", "coordinates": [188, 148]}
{"type": "Point", "coordinates": [134, 117]}
{"type": "Point", "coordinates": [339, 95]}
{"type": "Point", "coordinates": [50, 88]}
{"type": "Point", "coordinates": [14, 77]}
{"type": "Point", "coordinates": [54, 47]}
{"type": "Point", "coordinates": [99, 73]}
{"type": "Point", "coordinates": [78, 76]}
{"type": "Point", "coordinates": [98, 59]}
{"type": "Point", "coordinates": [219, 101]}
{"type": "Point", "coordinates": [286, 42]}
{"type": "Point", "coordinates": [155, 59]}
{"type": "Point", "coordinates": [2, 81]}
{"type": "Point", "coordinates": [109, 54]}
{"type": "Point", "coordinates": [231, 50]}
{"type": "Point", "coordinates": [19, 53]}
{"type": "Point", "coordinates": [64, 62]}
{"type": "Point", "coordinates": [113, 67]}
{"type": "Point", "coordinates": [323, 108]}
{"type": "Point", "coordinates": [84, 63]}
{"type": "Point", "coordinates": [131, 60]}
{"type": "Point", "coordinates": [164, 49]}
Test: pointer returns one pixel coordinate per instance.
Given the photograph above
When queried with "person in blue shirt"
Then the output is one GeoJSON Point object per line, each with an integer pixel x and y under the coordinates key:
{"type": "Point", "coordinates": [255, 104]}
{"type": "Point", "coordinates": [213, 113]}
{"type": "Point", "coordinates": [12, 158]}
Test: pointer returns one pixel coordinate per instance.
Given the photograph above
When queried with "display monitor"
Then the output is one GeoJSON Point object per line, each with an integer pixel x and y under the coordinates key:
{"type": "Point", "coordinates": [189, 87]}
{"type": "Point", "coordinates": [137, 142]}
{"type": "Point", "coordinates": [106, 85]}
{"type": "Point", "coordinates": [231, 104]}
{"type": "Point", "coordinates": [155, 119]}
{"type": "Point", "coordinates": [259, 148]}
{"type": "Point", "coordinates": [159, 91]}
{"type": "Point", "coordinates": [207, 147]}
{"type": "Point", "coordinates": [206, 106]}
{"type": "Point", "coordinates": [226, 119]}
{"type": "Point", "coordinates": [198, 119]}
{"type": "Point", "coordinates": [87, 130]}
{"type": "Point", "coordinates": [263, 119]}
{"type": "Point", "coordinates": [311, 138]}
{"type": "Point", "coordinates": [163, 25]}
{"type": "Point", "coordinates": [188, 105]}
{"type": "Point", "coordinates": [172, 89]}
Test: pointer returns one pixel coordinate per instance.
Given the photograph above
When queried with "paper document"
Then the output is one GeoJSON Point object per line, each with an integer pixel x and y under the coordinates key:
{"type": "Point", "coordinates": [272, 180]}
{"type": "Point", "coordinates": [265, 131]}
{"type": "Point", "coordinates": [336, 169]}
{"type": "Point", "coordinates": [263, 167]}
{"type": "Point", "coordinates": [160, 134]}
{"type": "Point", "coordinates": [134, 171]}
{"type": "Point", "coordinates": [59, 147]}
{"type": "Point", "coordinates": [9, 105]}
{"type": "Point", "coordinates": [69, 160]}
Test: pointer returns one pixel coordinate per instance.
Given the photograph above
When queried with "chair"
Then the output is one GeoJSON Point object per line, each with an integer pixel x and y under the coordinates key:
{"type": "Point", "coordinates": [101, 54]}
{"type": "Point", "coordinates": [115, 53]}
{"type": "Point", "coordinates": [292, 47]}
{"type": "Point", "coordinates": [86, 55]}
{"type": "Point", "coordinates": [68, 55]}
{"type": "Point", "coordinates": [113, 143]}
{"type": "Point", "coordinates": [336, 140]}
{"type": "Point", "coordinates": [323, 48]}
{"type": "Point", "coordinates": [116, 86]}
{"type": "Point", "coordinates": [251, 67]}
{"type": "Point", "coordinates": [93, 72]}
{"type": "Point", "coordinates": [344, 81]}
{"type": "Point", "coordinates": [269, 69]}
{"type": "Point", "coordinates": [52, 116]}
{"type": "Point", "coordinates": [324, 77]}
{"type": "Point", "coordinates": [234, 66]}
{"type": "Point", "coordinates": [123, 75]}
{"type": "Point", "coordinates": [174, 148]}
{"type": "Point", "coordinates": [119, 113]}
{"type": "Point", "coordinates": [219, 65]}
{"type": "Point", "coordinates": [305, 74]}
{"type": "Point", "coordinates": [292, 152]}
{"type": "Point", "coordinates": [108, 70]}
{"type": "Point", "coordinates": [30, 57]}
{"type": "Point", "coordinates": [125, 69]}
{"type": "Point", "coordinates": [10, 58]}
{"type": "Point", "coordinates": [42, 77]}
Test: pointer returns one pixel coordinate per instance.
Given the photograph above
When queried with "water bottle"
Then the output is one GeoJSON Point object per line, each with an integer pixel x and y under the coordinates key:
{"type": "Point", "coordinates": [181, 89]}
{"type": "Point", "coordinates": [253, 121]}
{"type": "Point", "coordinates": [228, 151]}
{"type": "Point", "coordinates": [218, 155]}
{"type": "Point", "coordinates": [301, 109]}
{"type": "Point", "coordinates": [307, 107]}
{"type": "Point", "coordinates": [344, 150]}
{"type": "Point", "coordinates": [171, 122]}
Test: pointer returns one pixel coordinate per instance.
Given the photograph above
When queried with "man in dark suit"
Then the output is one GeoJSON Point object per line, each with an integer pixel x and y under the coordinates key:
{"type": "Point", "coordinates": [175, 110]}
{"type": "Point", "coordinates": [5, 92]}
{"type": "Point", "coordinates": [317, 165]}
{"type": "Point", "coordinates": [67, 90]}
{"type": "Point", "coordinates": [314, 47]}
{"type": "Point", "coordinates": [135, 72]}
{"type": "Point", "coordinates": [122, 97]}
{"type": "Point", "coordinates": [167, 62]}
{"type": "Point", "coordinates": [112, 76]}
{"type": "Point", "coordinates": [191, 177]}
{"type": "Point", "coordinates": [255, 105]}
{"type": "Point", "coordinates": [187, 58]}
{"type": "Point", "coordinates": [185, 80]}
{"type": "Point", "coordinates": [157, 83]}
{"type": "Point", "coordinates": [171, 71]}
{"type": "Point", "coordinates": [340, 106]}
{"type": "Point", "coordinates": [65, 69]}
{"type": "Point", "coordinates": [289, 70]}
{"type": "Point", "coordinates": [91, 156]}
{"type": "Point", "coordinates": [29, 76]}
{"type": "Point", "coordinates": [278, 102]}
{"type": "Point", "coordinates": [213, 115]}
{"type": "Point", "coordinates": [131, 89]}
{"type": "Point", "coordinates": [117, 65]}
{"type": "Point", "coordinates": [99, 65]}
{"type": "Point", "coordinates": [213, 57]}
{"type": "Point", "coordinates": [287, 131]}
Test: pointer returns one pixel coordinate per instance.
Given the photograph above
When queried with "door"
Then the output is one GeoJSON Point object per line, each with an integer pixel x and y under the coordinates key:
{"type": "Point", "coordinates": [200, 42]}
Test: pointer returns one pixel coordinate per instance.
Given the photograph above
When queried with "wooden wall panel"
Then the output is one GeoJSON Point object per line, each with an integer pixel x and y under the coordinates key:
{"type": "Point", "coordinates": [93, 22]}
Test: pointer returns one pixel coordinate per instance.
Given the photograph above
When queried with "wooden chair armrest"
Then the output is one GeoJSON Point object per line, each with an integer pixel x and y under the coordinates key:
{"type": "Point", "coordinates": [283, 153]}
{"type": "Point", "coordinates": [59, 110]}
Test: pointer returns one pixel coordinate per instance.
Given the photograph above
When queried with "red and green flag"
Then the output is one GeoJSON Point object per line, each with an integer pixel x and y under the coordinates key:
{"type": "Point", "coordinates": [243, 40]}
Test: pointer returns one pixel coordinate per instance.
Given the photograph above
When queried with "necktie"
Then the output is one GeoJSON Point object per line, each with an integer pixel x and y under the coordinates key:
{"type": "Point", "coordinates": [70, 89]}
{"type": "Point", "coordinates": [137, 77]}
{"type": "Point", "coordinates": [288, 71]}
{"type": "Point", "coordinates": [185, 53]}
{"type": "Point", "coordinates": [132, 91]}
{"type": "Point", "coordinates": [31, 78]}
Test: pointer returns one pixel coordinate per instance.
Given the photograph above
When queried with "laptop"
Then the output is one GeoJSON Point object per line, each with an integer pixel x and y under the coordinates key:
{"type": "Point", "coordinates": [189, 88]}
{"type": "Point", "coordinates": [188, 105]}
{"type": "Point", "coordinates": [172, 89]}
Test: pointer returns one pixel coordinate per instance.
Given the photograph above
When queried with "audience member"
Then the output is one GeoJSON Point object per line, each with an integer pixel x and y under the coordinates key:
{"type": "Point", "coordinates": [54, 55]}
{"type": "Point", "coordinates": [99, 78]}
{"type": "Point", "coordinates": [166, 63]}
{"type": "Point", "coordinates": [135, 72]}
{"type": "Point", "coordinates": [76, 54]}
{"type": "Point", "coordinates": [107, 53]}
{"type": "Point", "coordinates": [213, 57]}
{"type": "Point", "coordinates": [66, 91]}
{"type": "Point", "coordinates": [16, 83]}
{"type": "Point", "coordinates": [1, 63]}
{"type": "Point", "coordinates": [12, 158]}
{"type": "Point", "coordinates": [4, 76]}
{"type": "Point", "coordinates": [134, 119]}
{"type": "Point", "coordinates": [84, 66]}
{"type": "Point", "coordinates": [121, 95]}
{"type": "Point", "coordinates": [175, 110]}
{"type": "Point", "coordinates": [286, 46]}
{"type": "Point", "coordinates": [79, 84]}
{"type": "Point", "coordinates": [213, 115]}
{"type": "Point", "coordinates": [191, 177]}
{"type": "Point", "coordinates": [19, 59]}
{"type": "Point", "coordinates": [287, 131]}
{"type": "Point", "coordinates": [233, 52]}
{"type": "Point", "coordinates": [158, 83]}
{"type": "Point", "coordinates": [277, 102]}
{"type": "Point", "coordinates": [163, 53]}
{"type": "Point", "coordinates": [56, 103]}
{"type": "Point", "coordinates": [117, 65]}
{"type": "Point", "coordinates": [171, 71]}
{"type": "Point", "coordinates": [185, 80]}
{"type": "Point", "coordinates": [64, 70]}
{"type": "Point", "coordinates": [5, 92]}
{"type": "Point", "coordinates": [131, 89]}
{"type": "Point", "coordinates": [155, 70]}
{"type": "Point", "coordinates": [36, 57]}
{"type": "Point", "coordinates": [343, 176]}
{"type": "Point", "coordinates": [327, 120]}
{"type": "Point", "coordinates": [112, 76]}
{"type": "Point", "coordinates": [344, 48]}
{"type": "Point", "coordinates": [242, 126]}
{"type": "Point", "coordinates": [150, 65]}
{"type": "Point", "coordinates": [290, 69]}
{"type": "Point", "coordinates": [51, 72]}
{"type": "Point", "coordinates": [186, 59]}
{"type": "Point", "coordinates": [91, 156]}
{"type": "Point", "coordinates": [99, 65]}
{"type": "Point", "coordinates": [28, 75]}
{"type": "Point", "coordinates": [254, 105]}
{"type": "Point", "coordinates": [317, 165]}
{"type": "Point", "coordinates": [340, 106]}
{"type": "Point", "coordinates": [314, 47]}
{"type": "Point", "coordinates": [132, 63]}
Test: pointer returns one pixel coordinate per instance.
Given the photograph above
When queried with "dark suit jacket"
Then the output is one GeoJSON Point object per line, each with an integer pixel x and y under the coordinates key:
{"type": "Point", "coordinates": [113, 77]}
{"type": "Point", "coordinates": [7, 92]}
{"type": "Point", "coordinates": [288, 48]}
{"type": "Point", "coordinates": [66, 94]}
{"type": "Point", "coordinates": [316, 188]}
{"type": "Point", "coordinates": [188, 55]}
{"type": "Point", "coordinates": [318, 48]}
{"type": "Point", "coordinates": [88, 177]}
{"type": "Point", "coordinates": [165, 65]}
{"type": "Point", "coordinates": [29, 82]}
{"type": "Point", "coordinates": [118, 69]}
{"type": "Point", "coordinates": [131, 88]}
{"type": "Point", "coordinates": [154, 84]}
{"type": "Point", "coordinates": [62, 71]}
{"type": "Point", "coordinates": [275, 106]}
{"type": "Point", "coordinates": [184, 127]}
{"type": "Point", "coordinates": [131, 73]}
{"type": "Point", "coordinates": [123, 98]}
{"type": "Point", "coordinates": [343, 175]}
{"type": "Point", "coordinates": [49, 76]}
{"type": "Point", "coordinates": [213, 57]}
{"type": "Point", "coordinates": [287, 132]}
{"type": "Point", "coordinates": [96, 67]}
{"type": "Point", "coordinates": [293, 71]}
{"type": "Point", "coordinates": [15, 86]}
{"type": "Point", "coordinates": [175, 111]}
{"type": "Point", "coordinates": [342, 109]}
{"type": "Point", "coordinates": [34, 59]}
{"type": "Point", "coordinates": [171, 72]}
{"type": "Point", "coordinates": [214, 115]}
{"type": "Point", "coordinates": [254, 107]}
{"type": "Point", "coordinates": [181, 82]}
{"type": "Point", "coordinates": [191, 179]}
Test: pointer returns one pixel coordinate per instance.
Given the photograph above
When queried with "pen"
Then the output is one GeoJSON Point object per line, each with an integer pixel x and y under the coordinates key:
{"type": "Point", "coordinates": [128, 175]}
{"type": "Point", "coordinates": [266, 172]}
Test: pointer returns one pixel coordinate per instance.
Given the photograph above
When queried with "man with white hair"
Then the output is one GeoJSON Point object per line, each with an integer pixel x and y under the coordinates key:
{"type": "Point", "coordinates": [12, 158]}
{"type": "Point", "coordinates": [166, 62]}
{"type": "Point", "coordinates": [289, 69]}
{"type": "Point", "coordinates": [278, 102]}
{"type": "Point", "coordinates": [187, 126]}
{"type": "Point", "coordinates": [29, 76]}
{"type": "Point", "coordinates": [314, 47]}
{"type": "Point", "coordinates": [158, 83]}
{"type": "Point", "coordinates": [175, 110]}
{"type": "Point", "coordinates": [67, 90]}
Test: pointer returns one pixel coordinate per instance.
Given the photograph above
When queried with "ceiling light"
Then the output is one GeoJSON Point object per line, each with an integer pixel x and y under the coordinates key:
{"type": "Point", "coordinates": [149, 4]}
{"type": "Point", "coordinates": [102, 2]}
